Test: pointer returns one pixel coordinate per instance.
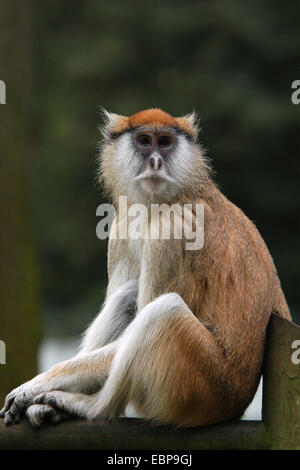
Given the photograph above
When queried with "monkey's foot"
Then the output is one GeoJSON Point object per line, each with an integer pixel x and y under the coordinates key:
{"type": "Point", "coordinates": [72, 404]}
{"type": "Point", "coordinates": [39, 414]}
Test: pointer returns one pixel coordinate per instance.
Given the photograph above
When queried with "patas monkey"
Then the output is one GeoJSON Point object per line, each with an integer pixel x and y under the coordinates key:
{"type": "Point", "coordinates": [180, 338]}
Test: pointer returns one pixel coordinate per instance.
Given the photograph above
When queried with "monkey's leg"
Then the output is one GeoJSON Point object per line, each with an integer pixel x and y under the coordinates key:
{"type": "Point", "coordinates": [167, 365]}
{"type": "Point", "coordinates": [86, 372]}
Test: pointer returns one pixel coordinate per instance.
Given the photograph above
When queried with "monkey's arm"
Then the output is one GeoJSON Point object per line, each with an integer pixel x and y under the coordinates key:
{"type": "Point", "coordinates": [118, 311]}
{"type": "Point", "coordinates": [121, 299]}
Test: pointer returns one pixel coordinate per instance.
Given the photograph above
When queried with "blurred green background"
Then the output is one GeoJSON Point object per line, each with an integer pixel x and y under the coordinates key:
{"type": "Point", "coordinates": [231, 61]}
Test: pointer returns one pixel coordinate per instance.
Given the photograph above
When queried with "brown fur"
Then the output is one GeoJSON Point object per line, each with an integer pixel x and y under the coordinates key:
{"type": "Point", "coordinates": [152, 117]}
{"type": "Point", "coordinates": [232, 287]}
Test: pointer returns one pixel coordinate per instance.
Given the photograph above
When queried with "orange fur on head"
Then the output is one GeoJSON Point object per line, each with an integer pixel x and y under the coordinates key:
{"type": "Point", "coordinates": [154, 117]}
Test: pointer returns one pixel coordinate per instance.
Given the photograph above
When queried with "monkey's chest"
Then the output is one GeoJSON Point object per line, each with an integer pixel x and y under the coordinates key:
{"type": "Point", "coordinates": [158, 264]}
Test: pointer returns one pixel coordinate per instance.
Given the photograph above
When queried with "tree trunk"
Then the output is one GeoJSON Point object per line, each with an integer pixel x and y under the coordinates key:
{"type": "Point", "coordinates": [19, 320]}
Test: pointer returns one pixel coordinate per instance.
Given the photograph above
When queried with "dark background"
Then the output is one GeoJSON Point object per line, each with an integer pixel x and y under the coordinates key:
{"type": "Point", "coordinates": [231, 61]}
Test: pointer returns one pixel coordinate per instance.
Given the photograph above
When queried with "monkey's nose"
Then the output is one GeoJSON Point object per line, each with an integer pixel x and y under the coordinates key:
{"type": "Point", "coordinates": [155, 162]}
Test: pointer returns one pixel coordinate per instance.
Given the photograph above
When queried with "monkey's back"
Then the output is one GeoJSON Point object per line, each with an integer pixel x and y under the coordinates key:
{"type": "Point", "coordinates": [233, 287]}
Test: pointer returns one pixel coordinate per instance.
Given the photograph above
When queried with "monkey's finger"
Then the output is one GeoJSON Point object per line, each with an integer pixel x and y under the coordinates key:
{"type": "Point", "coordinates": [8, 401]}
{"type": "Point", "coordinates": [46, 399]}
{"type": "Point", "coordinates": [8, 418]}
{"type": "Point", "coordinates": [2, 412]}
{"type": "Point", "coordinates": [18, 407]}
{"type": "Point", "coordinates": [16, 412]}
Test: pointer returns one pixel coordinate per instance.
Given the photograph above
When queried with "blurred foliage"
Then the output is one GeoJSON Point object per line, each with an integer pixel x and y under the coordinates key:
{"type": "Point", "coordinates": [20, 321]}
{"type": "Point", "coordinates": [231, 61]}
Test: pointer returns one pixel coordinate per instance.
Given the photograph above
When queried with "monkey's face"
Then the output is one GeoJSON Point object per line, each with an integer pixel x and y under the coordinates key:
{"type": "Point", "coordinates": [157, 160]}
{"type": "Point", "coordinates": [146, 161]}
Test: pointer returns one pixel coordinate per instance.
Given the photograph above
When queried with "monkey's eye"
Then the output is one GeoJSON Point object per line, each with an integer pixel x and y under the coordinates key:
{"type": "Point", "coordinates": [144, 140]}
{"type": "Point", "coordinates": [164, 141]}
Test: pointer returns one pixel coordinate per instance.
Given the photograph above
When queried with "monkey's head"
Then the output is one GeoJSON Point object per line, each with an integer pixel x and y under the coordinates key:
{"type": "Point", "coordinates": [152, 156]}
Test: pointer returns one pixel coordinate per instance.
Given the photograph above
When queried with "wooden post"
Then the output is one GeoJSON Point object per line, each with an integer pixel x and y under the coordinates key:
{"type": "Point", "coordinates": [281, 390]}
{"type": "Point", "coordinates": [20, 322]}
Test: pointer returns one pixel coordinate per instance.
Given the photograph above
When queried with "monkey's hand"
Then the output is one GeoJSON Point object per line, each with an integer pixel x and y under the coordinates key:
{"type": "Point", "coordinates": [85, 373]}
{"type": "Point", "coordinates": [65, 375]}
{"type": "Point", "coordinates": [19, 399]}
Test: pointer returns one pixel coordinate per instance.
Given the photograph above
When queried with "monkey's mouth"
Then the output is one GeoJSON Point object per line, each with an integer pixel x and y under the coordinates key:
{"type": "Point", "coordinates": [154, 179]}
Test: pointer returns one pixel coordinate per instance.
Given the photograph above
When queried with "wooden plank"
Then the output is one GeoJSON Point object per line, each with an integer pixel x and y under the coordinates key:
{"type": "Point", "coordinates": [132, 434]}
{"type": "Point", "coordinates": [281, 391]}
{"type": "Point", "coordinates": [280, 428]}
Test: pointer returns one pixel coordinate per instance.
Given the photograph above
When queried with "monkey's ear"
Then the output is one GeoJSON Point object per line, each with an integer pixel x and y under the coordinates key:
{"type": "Point", "coordinates": [189, 124]}
{"type": "Point", "coordinates": [112, 124]}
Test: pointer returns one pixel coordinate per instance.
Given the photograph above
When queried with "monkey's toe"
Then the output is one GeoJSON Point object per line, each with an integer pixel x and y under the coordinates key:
{"type": "Point", "coordinates": [53, 399]}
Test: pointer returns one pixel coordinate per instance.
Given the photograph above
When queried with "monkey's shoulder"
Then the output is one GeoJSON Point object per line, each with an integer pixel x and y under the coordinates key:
{"type": "Point", "coordinates": [232, 242]}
